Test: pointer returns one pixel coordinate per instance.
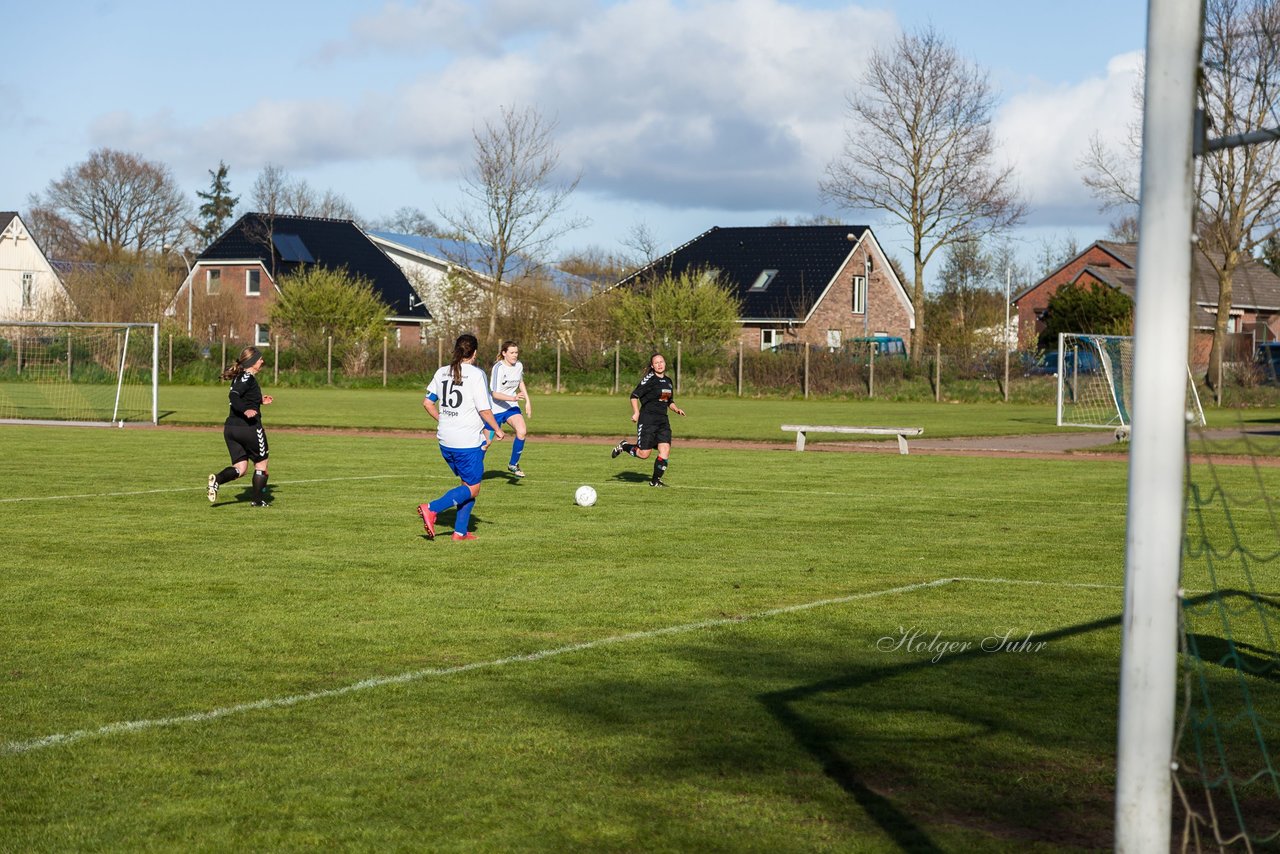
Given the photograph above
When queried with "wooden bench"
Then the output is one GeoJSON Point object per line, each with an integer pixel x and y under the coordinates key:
{"type": "Point", "coordinates": [901, 432]}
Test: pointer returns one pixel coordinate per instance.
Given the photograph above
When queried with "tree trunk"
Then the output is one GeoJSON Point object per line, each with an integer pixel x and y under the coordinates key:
{"type": "Point", "coordinates": [917, 303]}
{"type": "Point", "coordinates": [1216, 351]}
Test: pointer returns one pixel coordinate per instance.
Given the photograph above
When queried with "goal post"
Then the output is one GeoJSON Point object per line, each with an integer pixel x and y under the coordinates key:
{"type": "Point", "coordinates": [79, 373]}
{"type": "Point", "coordinates": [1095, 383]}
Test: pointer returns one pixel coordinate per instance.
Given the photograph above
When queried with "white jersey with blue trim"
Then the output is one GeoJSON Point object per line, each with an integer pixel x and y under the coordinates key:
{"type": "Point", "coordinates": [506, 379]}
{"type": "Point", "coordinates": [460, 405]}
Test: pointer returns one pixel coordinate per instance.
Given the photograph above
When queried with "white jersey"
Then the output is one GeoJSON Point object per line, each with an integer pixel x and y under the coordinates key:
{"type": "Point", "coordinates": [460, 405]}
{"type": "Point", "coordinates": [506, 379]}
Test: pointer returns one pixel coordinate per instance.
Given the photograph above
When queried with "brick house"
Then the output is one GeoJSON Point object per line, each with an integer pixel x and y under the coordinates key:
{"type": "Point", "coordinates": [235, 281]}
{"type": "Point", "coordinates": [816, 284]}
{"type": "Point", "coordinates": [1255, 291]}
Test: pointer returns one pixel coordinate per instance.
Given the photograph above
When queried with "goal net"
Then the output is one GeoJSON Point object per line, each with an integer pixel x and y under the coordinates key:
{"type": "Point", "coordinates": [1095, 383]}
{"type": "Point", "coordinates": [82, 373]}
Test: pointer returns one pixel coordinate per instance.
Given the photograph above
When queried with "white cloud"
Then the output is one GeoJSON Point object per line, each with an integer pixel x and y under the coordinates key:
{"type": "Point", "coordinates": [1046, 131]}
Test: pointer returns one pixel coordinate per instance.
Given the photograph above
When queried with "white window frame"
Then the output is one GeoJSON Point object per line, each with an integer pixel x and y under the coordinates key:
{"type": "Point", "coordinates": [248, 283]}
{"type": "Point", "coordinates": [769, 339]}
{"type": "Point", "coordinates": [28, 289]}
{"type": "Point", "coordinates": [213, 282]}
{"type": "Point", "coordinates": [859, 295]}
{"type": "Point", "coordinates": [261, 335]}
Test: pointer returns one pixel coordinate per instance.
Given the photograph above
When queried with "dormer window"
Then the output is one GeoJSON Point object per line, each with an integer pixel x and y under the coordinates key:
{"type": "Point", "coordinates": [762, 281]}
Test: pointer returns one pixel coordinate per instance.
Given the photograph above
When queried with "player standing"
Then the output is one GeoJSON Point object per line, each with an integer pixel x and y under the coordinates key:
{"type": "Point", "coordinates": [507, 388]}
{"type": "Point", "coordinates": [245, 438]}
{"type": "Point", "coordinates": [458, 398]}
{"type": "Point", "coordinates": [650, 401]}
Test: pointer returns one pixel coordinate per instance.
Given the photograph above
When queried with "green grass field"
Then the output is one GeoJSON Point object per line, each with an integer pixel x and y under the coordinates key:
{"type": "Point", "coordinates": [782, 652]}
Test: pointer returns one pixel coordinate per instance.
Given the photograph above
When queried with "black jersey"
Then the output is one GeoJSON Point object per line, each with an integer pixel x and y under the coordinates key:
{"type": "Point", "coordinates": [656, 394]}
{"type": "Point", "coordinates": [245, 394]}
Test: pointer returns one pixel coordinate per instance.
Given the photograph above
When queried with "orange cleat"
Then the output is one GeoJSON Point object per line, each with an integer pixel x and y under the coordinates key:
{"type": "Point", "coordinates": [428, 520]}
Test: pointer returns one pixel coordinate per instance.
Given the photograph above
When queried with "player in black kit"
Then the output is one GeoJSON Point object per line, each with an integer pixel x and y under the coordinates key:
{"type": "Point", "coordinates": [649, 404]}
{"type": "Point", "coordinates": [246, 440]}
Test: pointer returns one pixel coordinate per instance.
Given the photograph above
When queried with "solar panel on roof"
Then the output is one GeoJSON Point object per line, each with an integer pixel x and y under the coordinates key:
{"type": "Point", "coordinates": [291, 248]}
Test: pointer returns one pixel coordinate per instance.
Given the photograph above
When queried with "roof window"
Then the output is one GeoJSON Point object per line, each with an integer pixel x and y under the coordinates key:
{"type": "Point", "coordinates": [291, 248]}
{"type": "Point", "coordinates": [762, 281]}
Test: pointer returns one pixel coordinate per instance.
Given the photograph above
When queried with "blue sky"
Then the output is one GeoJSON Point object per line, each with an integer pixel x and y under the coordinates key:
{"type": "Point", "coordinates": [679, 115]}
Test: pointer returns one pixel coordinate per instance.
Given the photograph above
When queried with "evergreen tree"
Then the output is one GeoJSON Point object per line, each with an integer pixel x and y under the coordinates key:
{"type": "Point", "coordinates": [217, 206]}
{"type": "Point", "coordinates": [1271, 254]}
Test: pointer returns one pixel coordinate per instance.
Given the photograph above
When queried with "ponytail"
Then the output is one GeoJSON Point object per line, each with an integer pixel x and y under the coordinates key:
{"type": "Point", "coordinates": [248, 356]}
{"type": "Point", "coordinates": [464, 348]}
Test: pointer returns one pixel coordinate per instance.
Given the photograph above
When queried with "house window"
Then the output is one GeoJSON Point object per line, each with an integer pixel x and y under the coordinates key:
{"type": "Point", "coordinates": [762, 281]}
{"type": "Point", "coordinates": [834, 339]}
{"type": "Point", "coordinates": [262, 335]}
{"type": "Point", "coordinates": [213, 282]}
{"type": "Point", "coordinates": [770, 338]}
{"type": "Point", "coordinates": [28, 280]}
{"type": "Point", "coordinates": [859, 294]}
{"type": "Point", "coordinates": [397, 337]}
{"type": "Point", "coordinates": [253, 282]}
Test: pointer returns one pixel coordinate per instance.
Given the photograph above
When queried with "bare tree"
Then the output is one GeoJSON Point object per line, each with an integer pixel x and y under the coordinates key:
{"type": "Point", "coordinates": [408, 220]}
{"type": "Point", "coordinates": [920, 148]}
{"type": "Point", "coordinates": [512, 202]}
{"type": "Point", "coordinates": [643, 244]}
{"type": "Point", "coordinates": [1239, 185]}
{"type": "Point", "coordinates": [270, 191]}
{"type": "Point", "coordinates": [115, 202]}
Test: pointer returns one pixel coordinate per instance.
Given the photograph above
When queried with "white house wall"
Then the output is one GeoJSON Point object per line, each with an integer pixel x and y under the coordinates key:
{"type": "Point", "coordinates": [19, 254]}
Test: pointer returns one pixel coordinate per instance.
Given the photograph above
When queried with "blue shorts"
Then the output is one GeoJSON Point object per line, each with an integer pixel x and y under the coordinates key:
{"type": "Point", "coordinates": [501, 417]}
{"type": "Point", "coordinates": [466, 463]}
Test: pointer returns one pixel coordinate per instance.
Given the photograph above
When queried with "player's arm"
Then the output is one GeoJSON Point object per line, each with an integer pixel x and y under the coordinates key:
{"type": "Point", "coordinates": [528, 404]}
{"type": "Point", "coordinates": [247, 409]}
{"type": "Point", "coordinates": [429, 404]}
{"type": "Point", "coordinates": [486, 415]}
{"type": "Point", "coordinates": [671, 404]}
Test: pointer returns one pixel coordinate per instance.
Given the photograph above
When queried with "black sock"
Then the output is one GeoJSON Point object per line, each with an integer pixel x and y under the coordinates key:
{"type": "Point", "coordinates": [259, 484]}
{"type": "Point", "coordinates": [629, 448]}
{"type": "Point", "coordinates": [659, 468]}
{"type": "Point", "coordinates": [227, 475]}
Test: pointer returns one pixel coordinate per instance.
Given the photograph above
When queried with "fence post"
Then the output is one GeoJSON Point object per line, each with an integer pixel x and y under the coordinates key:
{"type": "Point", "coordinates": [739, 367]}
{"type": "Point", "coordinates": [275, 362]}
{"type": "Point", "coordinates": [937, 373]}
{"type": "Point", "coordinates": [170, 358]}
{"type": "Point", "coordinates": [384, 361]}
{"type": "Point", "coordinates": [328, 362]}
{"type": "Point", "coordinates": [557, 366]}
{"type": "Point", "coordinates": [224, 355]}
{"type": "Point", "coordinates": [439, 350]}
{"type": "Point", "coordinates": [677, 367]}
{"type": "Point", "coordinates": [871, 371]}
{"type": "Point", "coordinates": [617, 364]}
{"type": "Point", "coordinates": [68, 355]}
{"type": "Point", "coordinates": [806, 370]}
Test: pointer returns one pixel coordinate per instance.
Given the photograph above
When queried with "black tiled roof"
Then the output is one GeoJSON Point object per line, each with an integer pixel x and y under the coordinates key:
{"type": "Point", "coordinates": [333, 243]}
{"type": "Point", "coordinates": [805, 256]}
{"type": "Point", "coordinates": [6, 217]}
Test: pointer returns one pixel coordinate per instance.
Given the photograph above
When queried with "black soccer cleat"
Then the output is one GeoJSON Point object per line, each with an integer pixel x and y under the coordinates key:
{"type": "Point", "coordinates": [262, 503]}
{"type": "Point", "coordinates": [617, 449]}
{"type": "Point", "coordinates": [656, 482]}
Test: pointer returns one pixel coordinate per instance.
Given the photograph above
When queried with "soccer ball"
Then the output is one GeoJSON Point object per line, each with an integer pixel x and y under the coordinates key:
{"type": "Point", "coordinates": [585, 496]}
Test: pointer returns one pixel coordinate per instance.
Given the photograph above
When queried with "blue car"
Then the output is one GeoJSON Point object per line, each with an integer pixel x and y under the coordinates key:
{"type": "Point", "coordinates": [1078, 361]}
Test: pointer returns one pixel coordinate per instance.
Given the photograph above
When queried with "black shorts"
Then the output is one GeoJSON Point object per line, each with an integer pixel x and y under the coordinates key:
{"type": "Point", "coordinates": [650, 434]}
{"type": "Point", "coordinates": [245, 442]}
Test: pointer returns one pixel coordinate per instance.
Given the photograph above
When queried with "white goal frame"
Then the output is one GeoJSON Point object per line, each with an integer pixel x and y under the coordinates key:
{"type": "Point", "coordinates": [1098, 391]}
{"type": "Point", "coordinates": [115, 419]}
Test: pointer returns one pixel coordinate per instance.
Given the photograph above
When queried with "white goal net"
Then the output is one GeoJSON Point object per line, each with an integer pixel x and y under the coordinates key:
{"type": "Point", "coordinates": [1095, 383]}
{"type": "Point", "coordinates": [83, 373]}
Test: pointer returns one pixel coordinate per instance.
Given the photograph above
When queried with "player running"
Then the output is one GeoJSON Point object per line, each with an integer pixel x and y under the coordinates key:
{"type": "Point", "coordinates": [458, 398]}
{"type": "Point", "coordinates": [246, 440]}
{"type": "Point", "coordinates": [649, 404]}
{"type": "Point", "coordinates": [507, 388]}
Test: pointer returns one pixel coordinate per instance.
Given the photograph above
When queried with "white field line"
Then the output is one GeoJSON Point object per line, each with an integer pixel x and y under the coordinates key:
{"type": "Point", "coordinates": [200, 488]}
{"type": "Point", "coordinates": [121, 727]}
